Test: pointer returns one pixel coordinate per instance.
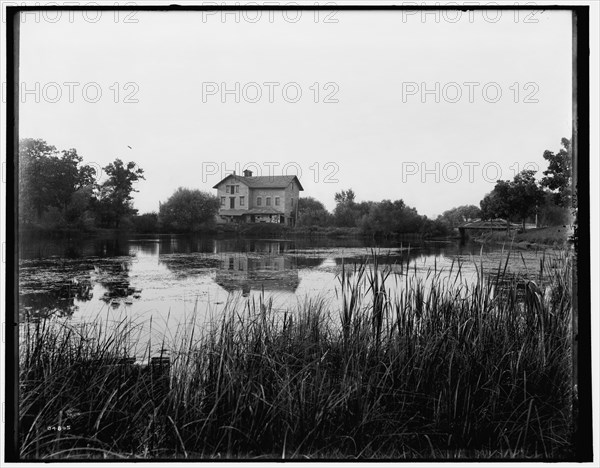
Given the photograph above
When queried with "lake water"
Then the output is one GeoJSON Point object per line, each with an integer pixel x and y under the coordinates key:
{"type": "Point", "coordinates": [163, 283]}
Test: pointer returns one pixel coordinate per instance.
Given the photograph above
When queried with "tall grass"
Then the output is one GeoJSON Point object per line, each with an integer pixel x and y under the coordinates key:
{"type": "Point", "coordinates": [406, 366]}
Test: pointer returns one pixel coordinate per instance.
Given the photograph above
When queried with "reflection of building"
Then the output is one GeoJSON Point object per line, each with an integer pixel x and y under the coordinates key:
{"type": "Point", "coordinates": [251, 245]}
{"type": "Point", "coordinates": [259, 199]}
{"type": "Point", "coordinates": [271, 273]}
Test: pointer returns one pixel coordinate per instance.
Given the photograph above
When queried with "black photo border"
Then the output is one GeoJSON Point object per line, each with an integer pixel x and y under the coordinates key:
{"type": "Point", "coordinates": [581, 150]}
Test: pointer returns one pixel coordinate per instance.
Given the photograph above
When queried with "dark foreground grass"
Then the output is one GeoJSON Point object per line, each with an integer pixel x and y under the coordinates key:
{"type": "Point", "coordinates": [438, 368]}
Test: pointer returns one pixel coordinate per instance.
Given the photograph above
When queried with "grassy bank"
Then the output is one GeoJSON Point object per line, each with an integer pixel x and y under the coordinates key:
{"type": "Point", "coordinates": [280, 230]}
{"type": "Point", "coordinates": [555, 236]}
{"type": "Point", "coordinates": [438, 369]}
{"type": "Point", "coordinates": [272, 230]}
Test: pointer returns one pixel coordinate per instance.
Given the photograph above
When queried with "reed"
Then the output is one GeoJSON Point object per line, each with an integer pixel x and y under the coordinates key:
{"type": "Point", "coordinates": [403, 367]}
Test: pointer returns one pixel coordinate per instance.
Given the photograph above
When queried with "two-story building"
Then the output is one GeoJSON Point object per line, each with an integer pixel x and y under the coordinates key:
{"type": "Point", "coordinates": [259, 199]}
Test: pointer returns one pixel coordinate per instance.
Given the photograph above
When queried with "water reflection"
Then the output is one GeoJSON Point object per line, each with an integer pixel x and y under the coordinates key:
{"type": "Point", "coordinates": [185, 244]}
{"type": "Point", "coordinates": [253, 246]}
{"type": "Point", "coordinates": [114, 278]}
{"type": "Point", "coordinates": [58, 300]}
{"type": "Point", "coordinates": [239, 272]}
{"type": "Point", "coordinates": [159, 273]}
{"type": "Point", "coordinates": [35, 246]}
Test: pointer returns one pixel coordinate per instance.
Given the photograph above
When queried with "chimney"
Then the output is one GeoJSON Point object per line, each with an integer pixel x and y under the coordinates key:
{"type": "Point", "coordinates": [247, 173]}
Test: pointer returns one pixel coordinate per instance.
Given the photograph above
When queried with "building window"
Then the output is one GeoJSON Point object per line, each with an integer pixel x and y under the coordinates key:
{"type": "Point", "coordinates": [237, 189]}
{"type": "Point", "coordinates": [258, 201]}
{"type": "Point", "coordinates": [292, 203]}
{"type": "Point", "coordinates": [276, 201]}
{"type": "Point", "coordinates": [242, 201]}
{"type": "Point", "coordinates": [268, 201]}
{"type": "Point", "coordinates": [222, 201]}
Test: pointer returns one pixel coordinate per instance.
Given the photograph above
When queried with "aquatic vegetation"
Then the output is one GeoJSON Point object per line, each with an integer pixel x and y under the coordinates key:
{"type": "Point", "coordinates": [402, 366]}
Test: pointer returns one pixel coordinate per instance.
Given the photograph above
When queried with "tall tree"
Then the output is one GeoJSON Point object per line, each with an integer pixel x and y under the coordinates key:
{"type": "Point", "coordinates": [68, 177]}
{"type": "Point", "coordinates": [34, 156]}
{"type": "Point", "coordinates": [525, 195]}
{"type": "Point", "coordinates": [115, 193]}
{"type": "Point", "coordinates": [496, 203]}
{"type": "Point", "coordinates": [516, 199]}
{"type": "Point", "coordinates": [344, 213]}
{"type": "Point", "coordinates": [558, 176]}
{"type": "Point", "coordinates": [47, 179]}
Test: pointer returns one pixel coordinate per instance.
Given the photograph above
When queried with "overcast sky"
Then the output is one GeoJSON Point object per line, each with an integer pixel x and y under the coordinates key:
{"type": "Point", "coordinates": [368, 71]}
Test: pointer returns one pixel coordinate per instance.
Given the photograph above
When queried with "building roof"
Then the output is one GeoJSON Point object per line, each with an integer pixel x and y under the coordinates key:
{"type": "Point", "coordinates": [264, 181]}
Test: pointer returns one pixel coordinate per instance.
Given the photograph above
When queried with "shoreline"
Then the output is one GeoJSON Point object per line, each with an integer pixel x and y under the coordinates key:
{"type": "Point", "coordinates": [538, 238]}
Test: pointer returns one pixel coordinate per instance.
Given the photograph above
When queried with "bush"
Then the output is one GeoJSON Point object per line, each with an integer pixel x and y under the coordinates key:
{"type": "Point", "coordinates": [553, 215]}
{"type": "Point", "coordinates": [188, 210]}
{"type": "Point", "coordinates": [146, 223]}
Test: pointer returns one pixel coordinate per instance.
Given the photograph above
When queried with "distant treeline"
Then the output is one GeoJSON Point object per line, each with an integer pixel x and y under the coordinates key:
{"type": "Point", "coordinates": [57, 191]}
{"type": "Point", "coordinates": [520, 200]}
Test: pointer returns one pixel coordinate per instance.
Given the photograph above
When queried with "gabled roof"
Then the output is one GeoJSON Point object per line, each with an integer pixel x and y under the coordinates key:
{"type": "Point", "coordinates": [264, 181]}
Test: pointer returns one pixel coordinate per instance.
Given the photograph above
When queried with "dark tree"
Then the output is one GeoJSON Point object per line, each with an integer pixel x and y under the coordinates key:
{"type": "Point", "coordinates": [146, 222]}
{"type": "Point", "coordinates": [391, 217]}
{"type": "Point", "coordinates": [496, 203]}
{"type": "Point", "coordinates": [68, 177]}
{"type": "Point", "coordinates": [344, 213]}
{"type": "Point", "coordinates": [551, 214]}
{"type": "Point", "coordinates": [518, 199]}
{"type": "Point", "coordinates": [49, 180]}
{"type": "Point", "coordinates": [312, 212]}
{"type": "Point", "coordinates": [525, 195]}
{"type": "Point", "coordinates": [188, 210]}
{"type": "Point", "coordinates": [34, 157]}
{"type": "Point", "coordinates": [115, 193]}
{"type": "Point", "coordinates": [558, 176]}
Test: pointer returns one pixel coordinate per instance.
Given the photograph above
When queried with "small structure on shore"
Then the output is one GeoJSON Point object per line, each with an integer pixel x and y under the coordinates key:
{"type": "Point", "coordinates": [479, 226]}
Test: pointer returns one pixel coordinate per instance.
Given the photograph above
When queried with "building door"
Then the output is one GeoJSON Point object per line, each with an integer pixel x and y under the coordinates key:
{"type": "Point", "coordinates": [232, 202]}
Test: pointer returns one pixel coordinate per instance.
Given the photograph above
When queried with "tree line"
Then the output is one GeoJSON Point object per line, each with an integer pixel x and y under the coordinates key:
{"type": "Point", "coordinates": [547, 202]}
{"type": "Point", "coordinates": [550, 199]}
{"type": "Point", "coordinates": [56, 190]}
